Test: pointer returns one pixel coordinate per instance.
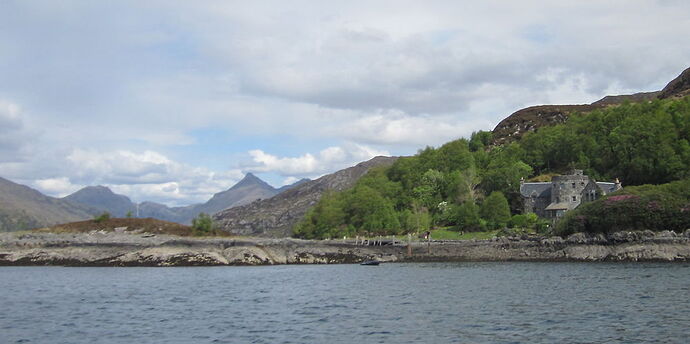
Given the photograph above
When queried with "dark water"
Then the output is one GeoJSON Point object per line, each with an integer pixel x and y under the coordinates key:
{"type": "Point", "coordinates": [391, 303]}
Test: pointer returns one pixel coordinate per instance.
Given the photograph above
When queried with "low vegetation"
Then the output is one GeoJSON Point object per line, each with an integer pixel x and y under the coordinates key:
{"type": "Point", "coordinates": [130, 225]}
{"type": "Point", "coordinates": [645, 207]}
{"type": "Point", "coordinates": [105, 216]}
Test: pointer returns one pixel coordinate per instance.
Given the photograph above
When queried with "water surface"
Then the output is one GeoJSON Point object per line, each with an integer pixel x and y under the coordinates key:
{"type": "Point", "coordinates": [391, 303]}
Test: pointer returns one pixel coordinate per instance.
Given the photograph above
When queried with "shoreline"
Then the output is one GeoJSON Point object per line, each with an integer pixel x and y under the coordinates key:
{"type": "Point", "coordinates": [125, 250]}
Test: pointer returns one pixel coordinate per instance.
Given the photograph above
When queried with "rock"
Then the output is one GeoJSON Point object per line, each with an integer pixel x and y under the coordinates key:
{"type": "Point", "coordinates": [578, 238]}
{"type": "Point", "coordinates": [555, 240]}
{"type": "Point", "coordinates": [125, 249]}
{"type": "Point", "coordinates": [621, 237]}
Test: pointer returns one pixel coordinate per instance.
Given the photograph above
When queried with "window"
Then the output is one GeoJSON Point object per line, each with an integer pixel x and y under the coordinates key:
{"type": "Point", "coordinates": [574, 198]}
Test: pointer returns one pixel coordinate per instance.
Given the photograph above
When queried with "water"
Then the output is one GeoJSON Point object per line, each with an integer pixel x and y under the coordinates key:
{"type": "Point", "coordinates": [391, 303]}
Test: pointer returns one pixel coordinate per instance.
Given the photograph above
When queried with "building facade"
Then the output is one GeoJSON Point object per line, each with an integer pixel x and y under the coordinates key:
{"type": "Point", "coordinates": [566, 192]}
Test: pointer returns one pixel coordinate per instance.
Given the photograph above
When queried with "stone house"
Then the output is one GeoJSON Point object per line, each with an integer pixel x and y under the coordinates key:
{"type": "Point", "coordinates": [553, 199]}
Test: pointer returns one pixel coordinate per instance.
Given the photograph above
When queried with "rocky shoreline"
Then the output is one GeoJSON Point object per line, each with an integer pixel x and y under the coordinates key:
{"type": "Point", "coordinates": [141, 249]}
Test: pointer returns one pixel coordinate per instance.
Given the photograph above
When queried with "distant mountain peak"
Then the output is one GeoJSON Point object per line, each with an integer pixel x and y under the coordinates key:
{"type": "Point", "coordinates": [102, 198]}
{"type": "Point", "coordinates": [250, 179]}
{"type": "Point", "coordinates": [96, 188]}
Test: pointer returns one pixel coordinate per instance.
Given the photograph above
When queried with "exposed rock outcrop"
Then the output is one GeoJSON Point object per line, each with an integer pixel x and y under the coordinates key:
{"type": "Point", "coordinates": [275, 217]}
{"type": "Point", "coordinates": [121, 249]}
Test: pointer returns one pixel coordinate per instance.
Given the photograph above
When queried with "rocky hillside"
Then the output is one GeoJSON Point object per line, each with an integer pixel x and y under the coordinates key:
{"type": "Point", "coordinates": [275, 217]}
{"type": "Point", "coordinates": [678, 87]}
{"type": "Point", "coordinates": [529, 119]}
{"type": "Point", "coordinates": [22, 207]}
{"type": "Point", "coordinates": [102, 198]}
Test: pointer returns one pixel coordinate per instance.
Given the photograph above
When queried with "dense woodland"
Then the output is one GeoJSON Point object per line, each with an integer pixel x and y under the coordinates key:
{"type": "Point", "coordinates": [469, 185]}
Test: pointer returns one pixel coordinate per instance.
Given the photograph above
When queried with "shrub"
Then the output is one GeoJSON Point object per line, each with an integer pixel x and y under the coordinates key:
{"type": "Point", "coordinates": [653, 207]}
{"type": "Point", "coordinates": [202, 224]}
{"type": "Point", "coordinates": [105, 216]}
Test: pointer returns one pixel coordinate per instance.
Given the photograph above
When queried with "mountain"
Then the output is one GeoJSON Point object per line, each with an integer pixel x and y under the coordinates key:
{"type": "Point", "coordinates": [290, 186]}
{"type": "Point", "coordinates": [532, 118]}
{"type": "Point", "coordinates": [22, 207]}
{"type": "Point", "coordinates": [102, 198]}
{"type": "Point", "coordinates": [276, 216]}
{"type": "Point", "coordinates": [247, 190]}
{"type": "Point", "coordinates": [161, 212]}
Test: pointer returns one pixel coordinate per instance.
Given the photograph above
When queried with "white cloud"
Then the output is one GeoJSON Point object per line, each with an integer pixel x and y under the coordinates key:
{"type": "Point", "coordinates": [309, 165]}
{"type": "Point", "coordinates": [147, 175]}
{"type": "Point", "coordinates": [59, 187]}
{"type": "Point", "coordinates": [216, 79]}
{"type": "Point", "coordinates": [403, 129]}
{"type": "Point", "coordinates": [13, 134]}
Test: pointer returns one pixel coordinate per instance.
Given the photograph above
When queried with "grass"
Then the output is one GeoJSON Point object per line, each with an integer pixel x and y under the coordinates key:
{"type": "Point", "coordinates": [444, 234]}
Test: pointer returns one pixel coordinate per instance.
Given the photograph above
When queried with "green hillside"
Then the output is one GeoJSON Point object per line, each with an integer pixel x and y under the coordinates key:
{"type": "Point", "coordinates": [468, 185]}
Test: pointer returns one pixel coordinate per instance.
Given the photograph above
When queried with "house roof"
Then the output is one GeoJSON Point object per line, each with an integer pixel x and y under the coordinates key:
{"type": "Point", "coordinates": [558, 206]}
{"type": "Point", "coordinates": [607, 187]}
{"type": "Point", "coordinates": [542, 189]}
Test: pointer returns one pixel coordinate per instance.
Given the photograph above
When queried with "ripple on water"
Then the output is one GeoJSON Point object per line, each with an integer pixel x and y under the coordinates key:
{"type": "Point", "coordinates": [410, 303]}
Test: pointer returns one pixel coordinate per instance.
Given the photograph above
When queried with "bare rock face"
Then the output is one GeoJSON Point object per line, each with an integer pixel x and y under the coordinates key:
{"type": "Point", "coordinates": [275, 217]}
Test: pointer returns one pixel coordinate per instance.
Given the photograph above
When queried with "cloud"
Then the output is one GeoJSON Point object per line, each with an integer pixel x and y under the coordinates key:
{"type": "Point", "coordinates": [306, 88]}
{"type": "Point", "coordinates": [147, 175]}
{"type": "Point", "coordinates": [13, 134]}
{"type": "Point", "coordinates": [309, 165]}
{"type": "Point", "coordinates": [400, 128]}
{"type": "Point", "coordinates": [59, 187]}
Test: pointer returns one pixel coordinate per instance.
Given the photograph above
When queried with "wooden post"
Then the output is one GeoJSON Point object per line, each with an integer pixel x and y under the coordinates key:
{"type": "Point", "coordinates": [428, 243]}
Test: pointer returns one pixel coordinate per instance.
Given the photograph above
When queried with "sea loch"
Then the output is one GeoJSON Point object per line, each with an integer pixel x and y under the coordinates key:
{"type": "Point", "coordinates": [509, 302]}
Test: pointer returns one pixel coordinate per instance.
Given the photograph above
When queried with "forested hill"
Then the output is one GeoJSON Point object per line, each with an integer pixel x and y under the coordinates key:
{"type": "Point", "coordinates": [465, 184]}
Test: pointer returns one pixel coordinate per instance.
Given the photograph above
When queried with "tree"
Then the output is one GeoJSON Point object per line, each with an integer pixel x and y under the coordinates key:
{"type": "Point", "coordinates": [202, 224]}
{"type": "Point", "coordinates": [495, 210]}
{"type": "Point", "coordinates": [479, 140]}
{"type": "Point", "coordinates": [129, 214]}
{"type": "Point", "coordinates": [467, 217]}
{"type": "Point", "coordinates": [430, 191]}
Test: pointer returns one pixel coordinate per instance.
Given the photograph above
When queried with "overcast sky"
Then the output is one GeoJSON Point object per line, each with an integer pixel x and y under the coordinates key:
{"type": "Point", "coordinates": [172, 101]}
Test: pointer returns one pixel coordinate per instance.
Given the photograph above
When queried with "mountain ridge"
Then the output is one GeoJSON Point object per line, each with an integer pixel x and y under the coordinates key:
{"type": "Point", "coordinates": [22, 207]}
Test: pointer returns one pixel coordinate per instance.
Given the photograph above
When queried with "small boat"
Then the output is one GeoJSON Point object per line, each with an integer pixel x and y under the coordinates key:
{"type": "Point", "coordinates": [370, 262]}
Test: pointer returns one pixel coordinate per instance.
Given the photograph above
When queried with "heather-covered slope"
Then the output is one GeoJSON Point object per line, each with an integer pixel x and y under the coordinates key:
{"type": "Point", "coordinates": [532, 118]}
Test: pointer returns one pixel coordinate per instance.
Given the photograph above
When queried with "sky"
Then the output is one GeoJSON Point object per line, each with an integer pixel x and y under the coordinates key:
{"type": "Point", "coordinates": [173, 101]}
